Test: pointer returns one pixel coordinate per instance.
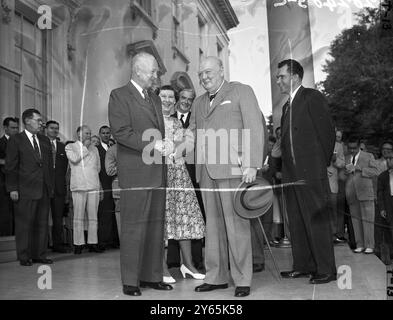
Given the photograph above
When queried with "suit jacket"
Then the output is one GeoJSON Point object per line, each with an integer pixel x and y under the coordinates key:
{"type": "Point", "coordinates": [60, 170]}
{"type": "Point", "coordinates": [134, 122]}
{"type": "Point", "coordinates": [186, 123]}
{"type": "Point", "coordinates": [359, 185]}
{"type": "Point", "coordinates": [85, 166]}
{"type": "Point", "coordinates": [25, 171]}
{"type": "Point", "coordinates": [307, 141]}
{"type": "Point", "coordinates": [234, 108]}
{"type": "Point", "coordinates": [106, 181]}
{"type": "Point", "coordinates": [332, 170]}
{"type": "Point", "coordinates": [3, 147]}
{"type": "Point", "coordinates": [385, 199]}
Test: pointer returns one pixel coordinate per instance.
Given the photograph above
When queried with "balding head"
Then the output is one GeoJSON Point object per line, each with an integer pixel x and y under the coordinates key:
{"type": "Point", "coordinates": [211, 74]}
{"type": "Point", "coordinates": [144, 69]}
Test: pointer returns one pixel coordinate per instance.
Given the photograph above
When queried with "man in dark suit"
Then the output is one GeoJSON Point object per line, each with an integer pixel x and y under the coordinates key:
{"type": "Point", "coordinates": [29, 180]}
{"type": "Point", "coordinates": [183, 113]}
{"type": "Point", "coordinates": [57, 203]}
{"type": "Point", "coordinates": [107, 229]}
{"type": "Point", "coordinates": [135, 116]}
{"type": "Point", "coordinates": [385, 194]}
{"type": "Point", "coordinates": [11, 127]}
{"type": "Point", "coordinates": [307, 145]}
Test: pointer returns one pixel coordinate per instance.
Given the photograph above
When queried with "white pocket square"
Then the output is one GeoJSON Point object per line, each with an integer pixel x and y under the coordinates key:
{"type": "Point", "coordinates": [225, 102]}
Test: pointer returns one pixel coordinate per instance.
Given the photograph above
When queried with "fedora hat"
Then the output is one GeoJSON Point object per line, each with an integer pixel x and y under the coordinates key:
{"type": "Point", "coordinates": [252, 200]}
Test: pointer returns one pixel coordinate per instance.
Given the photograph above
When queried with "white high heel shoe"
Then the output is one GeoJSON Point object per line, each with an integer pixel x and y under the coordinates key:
{"type": "Point", "coordinates": [168, 280]}
{"type": "Point", "coordinates": [184, 271]}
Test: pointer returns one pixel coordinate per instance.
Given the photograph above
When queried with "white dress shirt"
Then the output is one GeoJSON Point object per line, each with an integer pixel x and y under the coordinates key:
{"type": "Point", "coordinates": [185, 115]}
{"type": "Point", "coordinates": [7, 136]}
{"type": "Point", "coordinates": [30, 136]}
{"type": "Point", "coordinates": [105, 146]}
{"type": "Point", "coordinates": [211, 102]}
{"type": "Point", "coordinates": [391, 182]}
{"type": "Point", "coordinates": [356, 158]}
{"type": "Point", "coordinates": [139, 88]}
{"type": "Point", "coordinates": [293, 94]}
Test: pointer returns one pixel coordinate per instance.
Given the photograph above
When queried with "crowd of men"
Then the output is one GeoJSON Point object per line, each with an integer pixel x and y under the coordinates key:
{"type": "Point", "coordinates": [333, 191]}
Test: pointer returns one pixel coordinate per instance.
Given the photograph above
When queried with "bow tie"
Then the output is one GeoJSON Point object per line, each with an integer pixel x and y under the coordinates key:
{"type": "Point", "coordinates": [212, 96]}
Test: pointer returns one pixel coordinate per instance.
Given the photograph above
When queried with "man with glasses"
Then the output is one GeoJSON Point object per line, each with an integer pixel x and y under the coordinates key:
{"type": "Point", "coordinates": [29, 180]}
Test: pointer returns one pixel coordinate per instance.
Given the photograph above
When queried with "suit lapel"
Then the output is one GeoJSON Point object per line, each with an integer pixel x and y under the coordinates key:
{"type": "Point", "coordinates": [143, 103]}
{"type": "Point", "coordinates": [159, 116]}
{"type": "Point", "coordinates": [221, 94]}
{"type": "Point", "coordinates": [294, 105]}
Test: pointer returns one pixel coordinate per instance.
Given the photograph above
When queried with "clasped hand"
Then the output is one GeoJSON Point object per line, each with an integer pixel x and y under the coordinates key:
{"type": "Point", "coordinates": [165, 147]}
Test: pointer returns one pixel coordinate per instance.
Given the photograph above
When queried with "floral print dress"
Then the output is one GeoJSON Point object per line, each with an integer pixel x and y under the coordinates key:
{"type": "Point", "coordinates": [183, 216]}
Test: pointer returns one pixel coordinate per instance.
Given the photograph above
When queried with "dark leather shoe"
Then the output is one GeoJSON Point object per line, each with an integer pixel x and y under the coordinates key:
{"type": "Point", "coordinates": [242, 292]}
{"type": "Point", "coordinates": [95, 248]}
{"type": "Point", "coordinates": [174, 265]}
{"type": "Point", "coordinates": [258, 267]}
{"type": "Point", "coordinates": [322, 278]}
{"type": "Point", "coordinates": [43, 261]}
{"type": "Point", "coordinates": [78, 249]}
{"type": "Point", "coordinates": [210, 287]}
{"type": "Point", "coordinates": [131, 291]}
{"type": "Point", "coordinates": [295, 274]}
{"type": "Point", "coordinates": [26, 263]}
{"type": "Point", "coordinates": [61, 250]}
{"type": "Point", "coordinates": [156, 285]}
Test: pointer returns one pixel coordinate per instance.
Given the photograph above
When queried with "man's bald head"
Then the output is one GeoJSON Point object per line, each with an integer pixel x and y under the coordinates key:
{"type": "Point", "coordinates": [144, 69]}
{"type": "Point", "coordinates": [211, 74]}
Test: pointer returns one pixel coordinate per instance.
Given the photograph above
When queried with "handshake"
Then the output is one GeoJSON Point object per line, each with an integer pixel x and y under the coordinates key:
{"type": "Point", "coordinates": [165, 147]}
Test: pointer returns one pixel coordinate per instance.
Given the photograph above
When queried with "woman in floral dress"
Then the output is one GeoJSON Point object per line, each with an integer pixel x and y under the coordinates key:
{"type": "Point", "coordinates": [183, 216]}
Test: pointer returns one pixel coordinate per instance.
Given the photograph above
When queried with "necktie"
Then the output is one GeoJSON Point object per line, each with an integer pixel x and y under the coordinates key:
{"type": "Point", "coordinates": [182, 118]}
{"type": "Point", "coordinates": [286, 106]}
{"type": "Point", "coordinates": [212, 96]}
{"type": "Point", "coordinates": [35, 144]}
{"type": "Point", "coordinates": [353, 160]}
{"type": "Point", "coordinates": [146, 94]}
{"type": "Point", "coordinates": [54, 153]}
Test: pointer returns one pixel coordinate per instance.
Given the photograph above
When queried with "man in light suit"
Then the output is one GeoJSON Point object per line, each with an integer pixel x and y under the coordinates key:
{"type": "Point", "coordinates": [29, 180]}
{"type": "Point", "coordinates": [133, 113]}
{"type": "Point", "coordinates": [226, 107]}
{"type": "Point", "coordinates": [307, 144]}
{"type": "Point", "coordinates": [85, 187]}
{"type": "Point", "coordinates": [336, 217]}
{"type": "Point", "coordinates": [360, 170]}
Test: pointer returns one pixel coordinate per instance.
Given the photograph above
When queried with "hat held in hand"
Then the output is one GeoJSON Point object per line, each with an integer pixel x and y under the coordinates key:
{"type": "Point", "coordinates": [252, 200]}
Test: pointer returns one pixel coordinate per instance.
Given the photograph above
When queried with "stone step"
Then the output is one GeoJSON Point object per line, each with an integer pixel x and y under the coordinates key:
{"type": "Point", "coordinates": [7, 249]}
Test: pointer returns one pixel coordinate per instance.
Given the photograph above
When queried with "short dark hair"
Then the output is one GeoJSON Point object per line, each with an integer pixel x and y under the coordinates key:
{"type": "Point", "coordinates": [7, 121]}
{"type": "Point", "coordinates": [69, 141]}
{"type": "Point", "coordinates": [28, 114]}
{"type": "Point", "coordinates": [52, 122]}
{"type": "Point", "coordinates": [104, 127]}
{"type": "Point", "coordinates": [278, 128]}
{"type": "Point", "coordinates": [293, 66]}
{"type": "Point", "coordinates": [169, 87]}
{"type": "Point", "coordinates": [80, 128]}
{"type": "Point", "coordinates": [354, 139]}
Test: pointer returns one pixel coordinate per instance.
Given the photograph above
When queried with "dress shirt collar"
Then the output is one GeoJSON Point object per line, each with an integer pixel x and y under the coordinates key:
{"type": "Point", "coordinates": [139, 88]}
{"type": "Point", "coordinates": [185, 115]}
{"type": "Point", "coordinates": [215, 93]}
{"type": "Point", "coordinates": [30, 136]}
{"type": "Point", "coordinates": [105, 146]}
{"type": "Point", "coordinates": [356, 157]}
{"type": "Point", "coordinates": [7, 136]}
{"type": "Point", "coordinates": [293, 94]}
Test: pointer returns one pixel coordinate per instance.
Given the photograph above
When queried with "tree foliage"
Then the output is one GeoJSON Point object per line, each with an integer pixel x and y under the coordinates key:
{"type": "Point", "coordinates": [359, 85]}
